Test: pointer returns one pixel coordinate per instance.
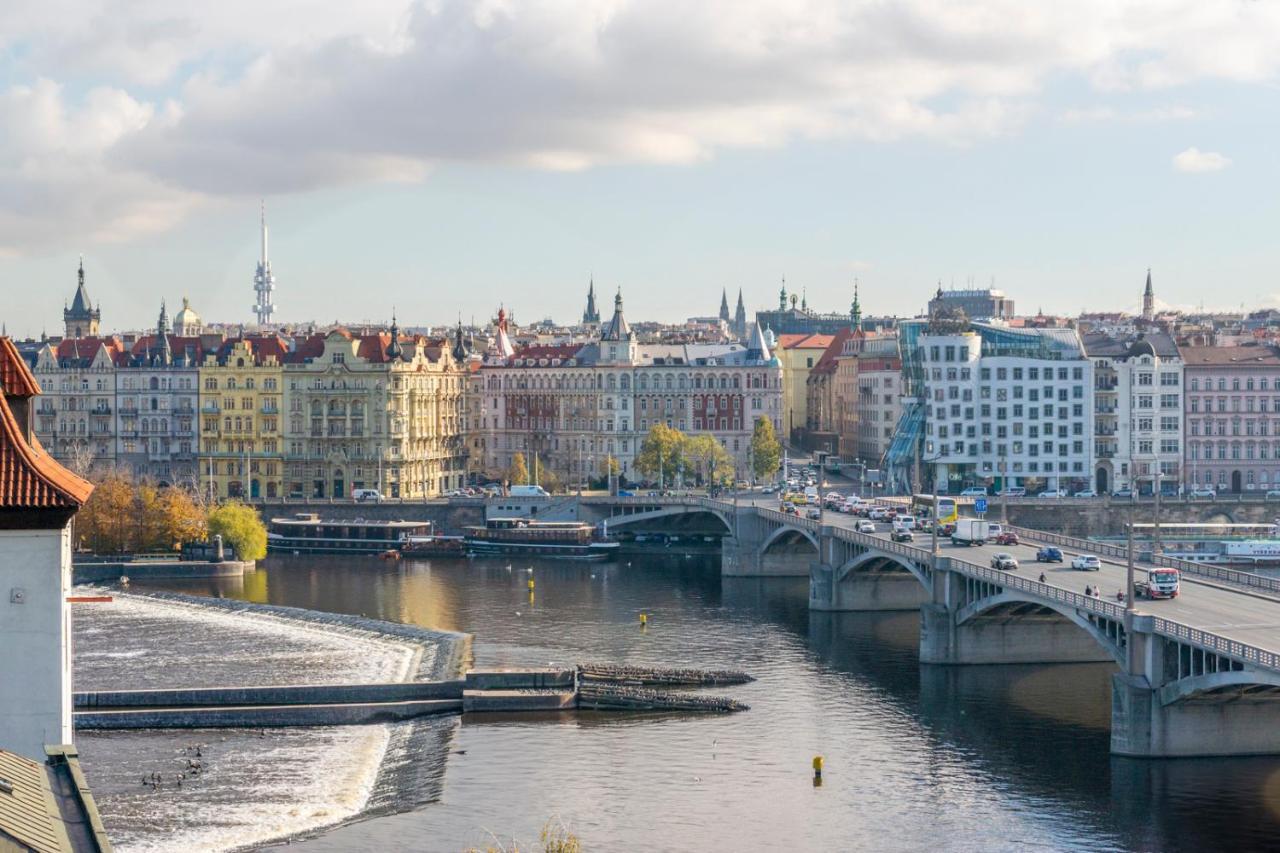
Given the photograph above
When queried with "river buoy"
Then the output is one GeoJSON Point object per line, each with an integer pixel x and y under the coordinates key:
{"type": "Point", "coordinates": [817, 768]}
{"type": "Point", "coordinates": [530, 584]}
{"type": "Point", "coordinates": [644, 620]}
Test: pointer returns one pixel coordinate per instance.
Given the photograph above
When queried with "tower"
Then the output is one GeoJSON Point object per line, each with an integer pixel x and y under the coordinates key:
{"type": "Point", "coordinates": [782, 295]}
{"type": "Point", "coordinates": [165, 356]}
{"type": "Point", "coordinates": [1148, 300]}
{"type": "Point", "coordinates": [394, 350]}
{"type": "Point", "coordinates": [264, 283]}
{"type": "Point", "coordinates": [855, 310]}
{"type": "Point", "coordinates": [591, 317]}
{"type": "Point", "coordinates": [81, 319]}
{"type": "Point", "coordinates": [724, 305]}
{"type": "Point", "coordinates": [740, 318]}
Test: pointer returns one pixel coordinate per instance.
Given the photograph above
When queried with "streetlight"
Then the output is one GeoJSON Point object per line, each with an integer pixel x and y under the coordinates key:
{"type": "Point", "coordinates": [933, 488]}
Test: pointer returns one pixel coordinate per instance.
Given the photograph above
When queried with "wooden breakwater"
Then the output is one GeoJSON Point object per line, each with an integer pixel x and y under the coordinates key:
{"type": "Point", "coordinates": [659, 676]}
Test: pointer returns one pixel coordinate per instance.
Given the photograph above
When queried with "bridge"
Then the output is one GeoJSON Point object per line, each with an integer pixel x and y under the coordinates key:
{"type": "Point", "coordinates": [1197, 676]}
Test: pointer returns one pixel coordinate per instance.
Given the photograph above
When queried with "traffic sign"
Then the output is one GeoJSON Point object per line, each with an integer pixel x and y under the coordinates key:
{"type": "Point", "coordinates": [980, 505]}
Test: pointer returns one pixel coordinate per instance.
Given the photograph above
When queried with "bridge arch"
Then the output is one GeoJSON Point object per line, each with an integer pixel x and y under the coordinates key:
{"type": "Point", "coordinates": [790, 533]}
{"type": "Point", "coordinates": [1100, 628]}
{"type": "Point", "coordinates": [1235, 681]}
{"type": "Point", "coordinates": [872, 556]}
{"type": "Point", "coordinates": [668, 512]}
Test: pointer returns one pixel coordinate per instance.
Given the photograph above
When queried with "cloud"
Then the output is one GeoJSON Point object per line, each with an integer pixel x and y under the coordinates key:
{"type": "Point", "coordinates": [1195, 160]}
{"type": "Point", "coordinates": [1085, 115]}
{"type": "Point", "coordinates": [189, 102]}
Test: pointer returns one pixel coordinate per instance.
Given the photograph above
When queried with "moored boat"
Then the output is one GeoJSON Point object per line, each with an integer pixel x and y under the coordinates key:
{"type": "Point", "coordinates": [307, 533]}
{"type": "Point", "coordinates": [565, 539]}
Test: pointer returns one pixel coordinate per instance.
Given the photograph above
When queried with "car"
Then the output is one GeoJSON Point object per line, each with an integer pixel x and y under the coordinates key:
{"type": "Point", "coordinates": [1004, 561]}
{"type": "Point", "coordinates": [769, 489]}
{"type": "Point", "coordinates": [907, 521]}
{"type": "Point", "coordinates": [1049, 554]}
{"type": "Point", "coordinates": [1202, 492]}
{"type": "Point", "coordinates": [814, 513]}
{"type": "Point", "coordinates": [877, 513]}
{"type": "Point", "coordinates": [1014, 492]}
{"type": "Point", "coordinates": [1122, 493]}
{"type": "Point", "coordinates": [1085, 493]}
{"type": "Point", "coordinates": [1007, 537]}
{"type": "Point", "coordinates": [974, 492]}
{"type": "Point", "coordinates": [624, 493]}
{"type": "Point", "coordinates": [1273, 493]}
{"type": "Point", "coordinates": [901, 534]}
{"type": "Point", "coordinates": [1086, 563]}
{"type": "Point", "coordinates": [866, 527]}
{"type": "Point", "coordinates": [790, 509]}
{"type": "Point", "coordinates": [368, 495]}
{"type": "Point", "coordinates": [1052, 493]}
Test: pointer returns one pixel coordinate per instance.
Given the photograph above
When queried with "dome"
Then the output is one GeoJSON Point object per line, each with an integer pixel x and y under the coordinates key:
{"type": "Point", "coordinates": [1141, 347]}
{"type": "Point", "coordinates": [186, 322]}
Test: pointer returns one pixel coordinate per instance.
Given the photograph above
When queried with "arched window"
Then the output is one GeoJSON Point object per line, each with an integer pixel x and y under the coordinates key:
{"type": "Point", "coordinates": [155, 383]}
{"type": "Point", "coordinates": [625, 382]}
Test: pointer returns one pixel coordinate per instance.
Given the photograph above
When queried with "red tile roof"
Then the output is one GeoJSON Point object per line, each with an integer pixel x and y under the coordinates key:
{"type": "Point", "coordinates": [15, 377]}
{"type": "Point", "coordinates": [790, 341]}
{"type": "Point", "coordinates": [29, 477]}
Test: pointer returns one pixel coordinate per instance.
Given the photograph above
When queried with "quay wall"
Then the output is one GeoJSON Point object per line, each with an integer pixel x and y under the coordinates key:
{"type": "Point", "coordinates": [109, 572]}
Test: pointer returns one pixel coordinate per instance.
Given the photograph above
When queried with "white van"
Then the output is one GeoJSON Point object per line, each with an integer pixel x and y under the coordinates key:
{"type": "Point", "coordinates": [366, 495]}
{"type": "Point", "coordinates": [528, 492]}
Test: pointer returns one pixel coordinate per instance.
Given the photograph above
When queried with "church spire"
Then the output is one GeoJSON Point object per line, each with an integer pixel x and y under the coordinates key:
{"type": "Point", "coordinates": [1148, 300]}
{"type": "Point", "coordinates": [740, 318]}
{"type": "Point", "coordinates": [393, 349]}
{"type": "Point", "coordinates": [782, 295]}
{"type": "Point", "coordinates": [855, 311]}
{"type": "Point", "coordinates": [724, 305]}
{"type": "Point", "coordinates": [162, 336]}
{"type": "Point", "coordinates": [591, 316]}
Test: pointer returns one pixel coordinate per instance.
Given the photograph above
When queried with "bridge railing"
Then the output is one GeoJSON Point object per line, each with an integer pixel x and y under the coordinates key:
{"type": "Point", "coordinates": [1187, 567]}
{"type": "Point", "coordinates": [911, 553]}
{"type": "Point", "coordinates": [1217, 644]}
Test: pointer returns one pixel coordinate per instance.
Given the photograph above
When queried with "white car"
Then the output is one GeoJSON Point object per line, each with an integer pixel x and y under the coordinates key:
{"type": "Point", "coordinates": [974, 492]}
{"type": "Point", "coordinates": [866, 527]}
{"type": "Point", "coordinates": [877, 514]}
{"type": "Point", "coordinates": [1273, 493]}
{"type": "Point", "coordinates": [1086, 562]}
{"type": "Point", "coordinates": [1203, 492]}
{"type": "Point", "coordinates": [1086, 493]}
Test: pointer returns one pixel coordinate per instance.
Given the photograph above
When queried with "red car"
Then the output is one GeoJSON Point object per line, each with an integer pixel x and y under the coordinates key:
{"type": "Point", "coordinates": [1007, 538]}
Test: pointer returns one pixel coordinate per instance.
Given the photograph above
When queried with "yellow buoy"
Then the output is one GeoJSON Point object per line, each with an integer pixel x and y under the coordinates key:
{"type": "Point", "coordinates": [644, 620]}
{"type": "Point", "coordinates": [531, 584]}
{"type": "Point", "coordinates": [817, 767]}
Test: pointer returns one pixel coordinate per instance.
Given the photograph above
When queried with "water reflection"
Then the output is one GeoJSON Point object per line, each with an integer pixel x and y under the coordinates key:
{"type": "Point", "coordinates": [917, 757]}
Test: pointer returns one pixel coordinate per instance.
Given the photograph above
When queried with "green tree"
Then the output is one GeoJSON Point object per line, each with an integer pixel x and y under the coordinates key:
{"type": "Point", "coordinates": [712, 462]}
{"type": "Point", "coordinates": [766, 450]}
{"type": "Point", "coordinates": [239, 525]}
{"type": "Point", "coordinates": [661, 452]}
{"type": "Point", "coordinates": [518, 473]}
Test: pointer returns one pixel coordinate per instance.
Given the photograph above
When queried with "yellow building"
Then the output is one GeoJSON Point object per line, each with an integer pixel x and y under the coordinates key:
{"type": "Point", "coordinates": [241, 442]}
{"type": "Point", "coordinates": [798, 355]}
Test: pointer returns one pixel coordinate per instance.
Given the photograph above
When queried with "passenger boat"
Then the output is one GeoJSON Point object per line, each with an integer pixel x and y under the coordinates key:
{"type": "Point", "coordinates": [434, 546]}
{"type": "Point", "coordinates": [306, 533]}
{"type": "Point", "coordinates": [566, 539]}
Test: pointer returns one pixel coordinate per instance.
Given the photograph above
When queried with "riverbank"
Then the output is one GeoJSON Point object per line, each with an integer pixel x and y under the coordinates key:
{"type": "Point", "coordinates": [256, 786]}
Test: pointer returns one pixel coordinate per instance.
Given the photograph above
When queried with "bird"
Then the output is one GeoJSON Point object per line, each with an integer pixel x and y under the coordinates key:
{"type": "Point", "coordinates": [517, 612]}
{"type": "Point", "coordinates": [459, 752]}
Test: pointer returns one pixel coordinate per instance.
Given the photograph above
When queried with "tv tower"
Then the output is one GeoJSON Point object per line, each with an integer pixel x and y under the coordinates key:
{"type": "Point", "coordinates": [264, 283]}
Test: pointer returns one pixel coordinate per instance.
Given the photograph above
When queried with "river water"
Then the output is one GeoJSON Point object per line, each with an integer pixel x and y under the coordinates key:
{"type": "Point", "coordinates": [980, 758]}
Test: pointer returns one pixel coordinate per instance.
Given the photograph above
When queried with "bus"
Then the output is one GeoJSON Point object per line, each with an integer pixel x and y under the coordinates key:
{"type": "Point", "coordinates": [922, 506]}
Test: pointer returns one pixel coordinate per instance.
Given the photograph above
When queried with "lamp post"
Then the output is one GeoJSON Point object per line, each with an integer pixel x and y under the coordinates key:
{"type": "Point", "coordinates": [933, 489]}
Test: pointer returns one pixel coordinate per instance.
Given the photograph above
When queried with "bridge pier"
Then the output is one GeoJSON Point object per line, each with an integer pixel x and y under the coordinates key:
{"type": "Point", "coordinates": [869, 591]}
{"type": "Point", "coordinates": [1183, 702]}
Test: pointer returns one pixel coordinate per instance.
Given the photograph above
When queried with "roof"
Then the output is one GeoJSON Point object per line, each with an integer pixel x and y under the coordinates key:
{"type": "Point", "coordinates": [15, 376]}
{"type": "Point", "coordinates": [49, 808]}
{"type": "Point", "coordinates": [1106, 345]}
{"type": "Point", "coordinates": [1246, 355]}
{"type": "Point", "coordinates": [813, 341]}
{"type": "Point", "coordinates": [827, 363]}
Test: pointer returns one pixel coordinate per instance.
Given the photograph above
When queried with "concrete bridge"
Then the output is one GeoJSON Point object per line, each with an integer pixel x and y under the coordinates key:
{"type": "Point", "coordinates": [1198, 675]}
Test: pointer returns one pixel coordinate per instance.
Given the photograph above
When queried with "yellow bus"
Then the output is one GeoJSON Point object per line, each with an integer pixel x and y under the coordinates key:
{"type": "Point", "coordinates": [922, 507]}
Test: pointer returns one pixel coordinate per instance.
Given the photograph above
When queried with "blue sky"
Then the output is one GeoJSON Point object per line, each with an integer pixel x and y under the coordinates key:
{"type": "Point", "coordinates": [464, 154]}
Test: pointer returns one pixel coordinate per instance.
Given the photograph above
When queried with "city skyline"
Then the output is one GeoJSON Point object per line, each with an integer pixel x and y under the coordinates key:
{"type": "Point", "coordinates": [1059, 153]}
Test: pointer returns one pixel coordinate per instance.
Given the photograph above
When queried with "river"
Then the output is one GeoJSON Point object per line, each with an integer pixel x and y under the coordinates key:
{"type": "Point", "coordinates": [978, 758]}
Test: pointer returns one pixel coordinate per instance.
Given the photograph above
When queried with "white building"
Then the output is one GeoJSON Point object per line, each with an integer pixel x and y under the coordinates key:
{"type": "Point", "coordinates": [38, 497]}
{"type": "Point", "coordinates": [1138, 404]}
{"type": "Point", "coordinates": [575, 406]}
{"type": "Point", "coordinates": [879, 397]}
{"type": "Point", "coordinates": [1007, 406]}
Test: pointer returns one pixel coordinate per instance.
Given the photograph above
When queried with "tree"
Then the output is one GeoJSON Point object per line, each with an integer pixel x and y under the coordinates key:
{"type": "Point", "coordinates": [713, 463]}
{"type": "Point", "coordinates": [239, 525]}
{"type": "Point", "coordinates": [661, 453]}
{"type": "Point", "coordinates": [766, 450]}
{"type": "Point", "coordinates": [547, 477]}
{"type": "Point", "coordinates": [184, 519]}
{"type": "Point", "coordinates": [103, 524]}
{"type": "Point", "coordinates": [518, 473]}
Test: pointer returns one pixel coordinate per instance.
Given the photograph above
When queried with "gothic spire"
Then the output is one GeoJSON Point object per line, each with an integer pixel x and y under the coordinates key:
{"type": "Point", "coordinates": [162, 336]}
{"type": "Point", "coordinates": [855, 312]}
{"type": "Point", "coordinates": [459, 347]}
{"type": "Point", "coordinates": [724, 304]}
{"type": "Point", "coordinates": [1148, 299]}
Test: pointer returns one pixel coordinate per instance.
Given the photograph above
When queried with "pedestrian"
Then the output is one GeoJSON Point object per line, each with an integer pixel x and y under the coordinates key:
{"type": "Point", "coordinates": [1088, 590]}
{"type": "Point", "coordinates": [1042, 577]}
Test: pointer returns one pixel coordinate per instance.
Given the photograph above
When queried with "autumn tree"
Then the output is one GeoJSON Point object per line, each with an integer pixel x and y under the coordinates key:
{"type": "Point", "coordinates": [661, 453]}
{"type": "Point", "coordinates": [709, 458]}
{"type": "Point", "coordinates": [103, 524]}
{"type": "Point", "coordinates": [518, 473]}
{"type": "Point", "coordinates": [766, 450]}
{"type": "Point", "coordinates": [241, 527]}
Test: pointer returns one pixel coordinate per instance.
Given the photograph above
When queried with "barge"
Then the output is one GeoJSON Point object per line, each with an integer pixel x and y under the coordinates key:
{"type": "Point", "coordinates": [307, 533]}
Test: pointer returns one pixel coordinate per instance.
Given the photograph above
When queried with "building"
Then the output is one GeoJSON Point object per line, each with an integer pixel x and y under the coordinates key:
{"type": "Point", "coordinates": [241, 405]}
{"type": "Point", "coordinates": [740, 319]}
{"type": "Point", "coordinates": [977, 304]}
{"type": "Point", "coordinates": [378, 411]}
{"type": "Point", "coordinates": [1233, 417]}
{"type": "Point", "coordinates": [1007, 407]}
{"type": "Point", "coordinates": [187, 323]}
{"type": "Point", "coordinates": [591, 316]}
{"type": "Point", "coordinates": [878, 373]}
{"type": "Point", "coordinates": [81, 319]}
{"type": "Point", "coordinates": [76, 414]}
{"type": "Point", "coordinates": [1138, 424]}
{"type": "Point", "coordinates": [798, 354]}
{"type": "Point", "coordinates": [38, 498]}
{"type": "Point", "coordinates": [830, 398]}
{"type": "Point", "coordinates": [798, 319]}
{"type": "Point", "coordinates": [574, 406]}
{"type": "Point", "coordinates": [724, 315]}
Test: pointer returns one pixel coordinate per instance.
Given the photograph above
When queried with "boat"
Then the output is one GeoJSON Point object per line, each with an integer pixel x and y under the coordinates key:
{"type": "Point", "coordinates": [1249, 552]}
{"type": "Point", "coordinates": [575, 540]}
{"type": "Point", "coordinates": [434, 546]}
{"type": "Point", "coordinates": [307, 533]}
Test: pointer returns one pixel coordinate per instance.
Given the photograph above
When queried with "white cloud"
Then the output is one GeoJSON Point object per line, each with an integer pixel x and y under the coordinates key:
{"type": "Point", "coordinates": [193, 100]}
{"type": "Point", "coordinates": [1195, 160]}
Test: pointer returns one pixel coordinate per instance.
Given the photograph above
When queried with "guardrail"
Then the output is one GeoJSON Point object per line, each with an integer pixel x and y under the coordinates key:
{"type": "Point", "coordinates": [1217, 644]}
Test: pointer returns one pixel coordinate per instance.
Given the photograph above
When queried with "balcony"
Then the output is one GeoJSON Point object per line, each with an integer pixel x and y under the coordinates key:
{"type": "Point", "coordinates": [1103, 431]}
{"type": "Point", "coordinates": [100, 411]}
{"type": "Point", "coordinates": [1105, 454]}
{"type": "Point", "coordinates": [210, 409]}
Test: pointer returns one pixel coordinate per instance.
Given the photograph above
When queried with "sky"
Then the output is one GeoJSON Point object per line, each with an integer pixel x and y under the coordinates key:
{"type": "Point", "coordinates": [439, 158]}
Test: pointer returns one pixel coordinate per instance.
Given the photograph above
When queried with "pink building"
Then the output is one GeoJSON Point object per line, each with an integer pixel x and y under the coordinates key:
{"type": "Point", "coordinates": [1233, 417]}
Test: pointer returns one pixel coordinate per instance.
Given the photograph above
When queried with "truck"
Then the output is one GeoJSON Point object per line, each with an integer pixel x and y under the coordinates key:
{"type": "Point", "coordinates": [1160, 583]}
{"type": "Point", "coordinates": [528, 492]}
{"type": "Point", "coordinates": [974, 531]}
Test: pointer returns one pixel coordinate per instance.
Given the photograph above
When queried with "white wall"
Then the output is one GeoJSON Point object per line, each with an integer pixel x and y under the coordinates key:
{"type": "Point", "coordinates": [35, 634]}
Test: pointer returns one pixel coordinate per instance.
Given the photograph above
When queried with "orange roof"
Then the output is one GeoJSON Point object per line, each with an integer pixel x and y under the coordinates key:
{"type": "Point", "coordinates": [804, 341]}
{"type": "Point", "coordinates": [29, 477]}
{"type": "Point", "coordinates": [15, 377]}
